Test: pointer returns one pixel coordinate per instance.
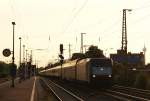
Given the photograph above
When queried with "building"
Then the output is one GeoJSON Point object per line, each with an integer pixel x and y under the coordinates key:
{"type": "Point", "coordinates": [130, 59]}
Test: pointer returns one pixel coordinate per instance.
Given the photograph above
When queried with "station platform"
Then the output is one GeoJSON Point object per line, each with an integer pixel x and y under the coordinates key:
{"type": "Point", "coordinates": [27, 90]}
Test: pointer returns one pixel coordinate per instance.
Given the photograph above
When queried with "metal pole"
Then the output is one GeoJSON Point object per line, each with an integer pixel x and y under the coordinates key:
{"type": "Point", "coordinates": [24, 61]}
{"type": "Point", "coordinates": [26, 71]}
{"type": "Point", "coordinates": [20, 51]}
{"type": "Point", "coordinates": [82, 42]}
{"type": "Point", "coordinates": [23, 53]}
{"type": "Point", "coordinates": [31, 57]}
{"type": "Point", "coordinates": [31, 64]}
{"type": "Point", "coordinates": [20, 68]}
{"type": "Point", "coordinates": [26, 55]}
{"type": "Point", "coordinates": [81, 49]}
{"type": "Point", "coordinates": [124, 32]}
{"type": "Point", "coordinates": [144, 50]}
{"type": "Point", "coordinates": [13, 54]}
{"type": "Point", "coordinates": [69, 50]}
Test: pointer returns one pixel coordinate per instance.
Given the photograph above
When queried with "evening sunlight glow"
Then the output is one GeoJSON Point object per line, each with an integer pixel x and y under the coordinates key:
{"type": "Point", "coordinates": [46, 24]}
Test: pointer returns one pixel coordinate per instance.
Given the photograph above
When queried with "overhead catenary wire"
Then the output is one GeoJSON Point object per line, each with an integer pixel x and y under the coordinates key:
{"type": "Point", "coordinates": [74, 16]}
{"type": "Point", "coordinates": [17, 16]}
{"type": "Point", "coordinates": [105, 31]}
{"type": "Point", "coordinates": [13, 10]}
{"type": "Point", "coordinates": [134, 10]}
{"type": "Point", "coordinates": [140, 19]}
{"type": "Point", "coordinates": [146, 5]}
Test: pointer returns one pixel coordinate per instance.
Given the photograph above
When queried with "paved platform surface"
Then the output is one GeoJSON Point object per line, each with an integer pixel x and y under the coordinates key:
{"type": "Point", "coordinates": [24, 91]}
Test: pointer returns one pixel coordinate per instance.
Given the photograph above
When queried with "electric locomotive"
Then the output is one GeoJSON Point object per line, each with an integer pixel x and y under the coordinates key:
{"type": "Point", "coordinates": [94, 70]}
{"type": "Point", "coordinates": [88, 70]}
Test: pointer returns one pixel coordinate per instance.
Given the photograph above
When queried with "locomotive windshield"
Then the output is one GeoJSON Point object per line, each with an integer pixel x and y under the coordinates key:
{"type": "Point", "coordinates": [101, 66]}
{"type": "Point", "coordinates": [101, 62]}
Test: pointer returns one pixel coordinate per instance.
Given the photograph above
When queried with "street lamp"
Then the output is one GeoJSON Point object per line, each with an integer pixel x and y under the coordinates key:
{"type": "Point", "coordinates": [23, 53]}
{"type": "Point", "coordinates": [26, 64]}
{"type": "Point", "coordinates": [13, 23]}
{"type": "Point", "coordinates": [20, 50]}
{"type": "Point", "coordinates": [13, 69]}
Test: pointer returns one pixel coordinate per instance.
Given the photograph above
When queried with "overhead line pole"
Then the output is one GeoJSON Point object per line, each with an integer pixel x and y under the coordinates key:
{"type": "Point", "coordinates": [82, 42]}
{"type": "Point", "coordinates": [124, 32]}
{"type": "Point", "coordinates": [69, 50]}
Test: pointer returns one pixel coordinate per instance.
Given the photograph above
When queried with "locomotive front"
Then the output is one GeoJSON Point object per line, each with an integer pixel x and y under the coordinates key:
{"type": "Point", "coordinates": [101, 71]}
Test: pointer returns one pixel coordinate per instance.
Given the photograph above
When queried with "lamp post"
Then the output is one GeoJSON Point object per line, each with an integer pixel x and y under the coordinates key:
{"type": "Point", "coordinates": [13, 23]}
{"type": "Point", "coordinates": [23, 53]}
{"type": "Point", "coordinates": [20, 51]}
{"type": "Point", "coordinates": [20, 67]}
{"type": "Point", "coordinates": [13, 69]}
{"type": "Point", "coordinates": [26, 66]}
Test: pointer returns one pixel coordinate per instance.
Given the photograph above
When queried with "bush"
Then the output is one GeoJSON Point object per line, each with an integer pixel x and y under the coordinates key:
{"type": "Point", "coordinates": [4, 69]}
{"type": "Point", "coordinates": [148, 84]}
{"type": "Point", "coordinates": [141, 81]}
{"type": "Point", "coordinates": [119, 72]}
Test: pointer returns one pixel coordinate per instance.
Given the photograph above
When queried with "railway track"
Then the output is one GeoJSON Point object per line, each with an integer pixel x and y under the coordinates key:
{"type": "Point", "coordinates": [128, 93]}
{"type": "Point", "coordinates": [60, 93]}
{"type": "Point", "coordinates": [132, 91]}
{"type": "Point", "coordinates": [116, 93]}
{"type": "Point", "coordinates": [91, 94]}
{"type": "Point", "coordinates": [124, 96]}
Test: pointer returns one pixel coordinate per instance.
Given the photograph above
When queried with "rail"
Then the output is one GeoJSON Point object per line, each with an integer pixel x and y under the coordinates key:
{"type": "Point", "coordinates": [128, 96]}
{"type": "Point", "coordinates": [76, 98]}
{"type": "Point", "coordinates": [133, 91]}
{"type": "Point", "coordinates": [58, 98]}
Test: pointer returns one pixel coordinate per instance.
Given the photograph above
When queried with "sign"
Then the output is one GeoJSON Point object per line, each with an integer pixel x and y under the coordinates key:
{"type": "Point", "coordinates": [6, 52]}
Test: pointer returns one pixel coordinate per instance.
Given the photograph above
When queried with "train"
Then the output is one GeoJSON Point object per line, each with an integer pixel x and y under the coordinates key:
{"type": "Point", "coordinates": [88, 70]}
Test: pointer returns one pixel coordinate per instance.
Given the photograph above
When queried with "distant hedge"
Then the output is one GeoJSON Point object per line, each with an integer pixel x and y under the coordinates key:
{"type": "Point", "coordinates": [126, 77]}
{"type": "Point", "coordinates": [4, 69]}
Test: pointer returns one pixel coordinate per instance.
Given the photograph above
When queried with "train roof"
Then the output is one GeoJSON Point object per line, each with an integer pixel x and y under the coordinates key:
{"type": "Point", "coordinates": [70, 63]}
{"type": "Point", "coordinates": [50, 69]}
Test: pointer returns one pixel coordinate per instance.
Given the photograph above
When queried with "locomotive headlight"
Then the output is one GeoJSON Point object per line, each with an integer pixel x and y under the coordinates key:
{"type": "Point", "coordinates": [93, 76]}
{"type": "Point", "coordinates": [109, 76]}
{"type": "Point", "coordinates": [101, 69]}
{"type": "Point", "coordinates": [87, 60]}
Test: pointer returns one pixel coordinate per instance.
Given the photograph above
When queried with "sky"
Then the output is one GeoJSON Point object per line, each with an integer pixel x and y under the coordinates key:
{"type": "Point", "coordinates": [44, 24]}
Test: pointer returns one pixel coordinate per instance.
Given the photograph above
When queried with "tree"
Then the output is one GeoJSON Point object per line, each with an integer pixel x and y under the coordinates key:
{"type": "Point", "coordinates": [77, 56]}
{"type": "Point", "coordinates": [4, 69]}
{"type": "Point", "coordinates": [94, 52]}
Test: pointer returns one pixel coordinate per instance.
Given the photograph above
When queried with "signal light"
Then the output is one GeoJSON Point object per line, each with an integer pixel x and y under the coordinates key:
{"type": "Point", "coordinates": [61, 49]}
{"type": "Point", "coordinates": [61, 57]}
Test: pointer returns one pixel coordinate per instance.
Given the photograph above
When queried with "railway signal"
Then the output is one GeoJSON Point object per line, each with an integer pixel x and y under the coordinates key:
{"type": "Point", "coordinates": [61, 49]}
{"type": "Point", "coordinates": [61, 57]}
